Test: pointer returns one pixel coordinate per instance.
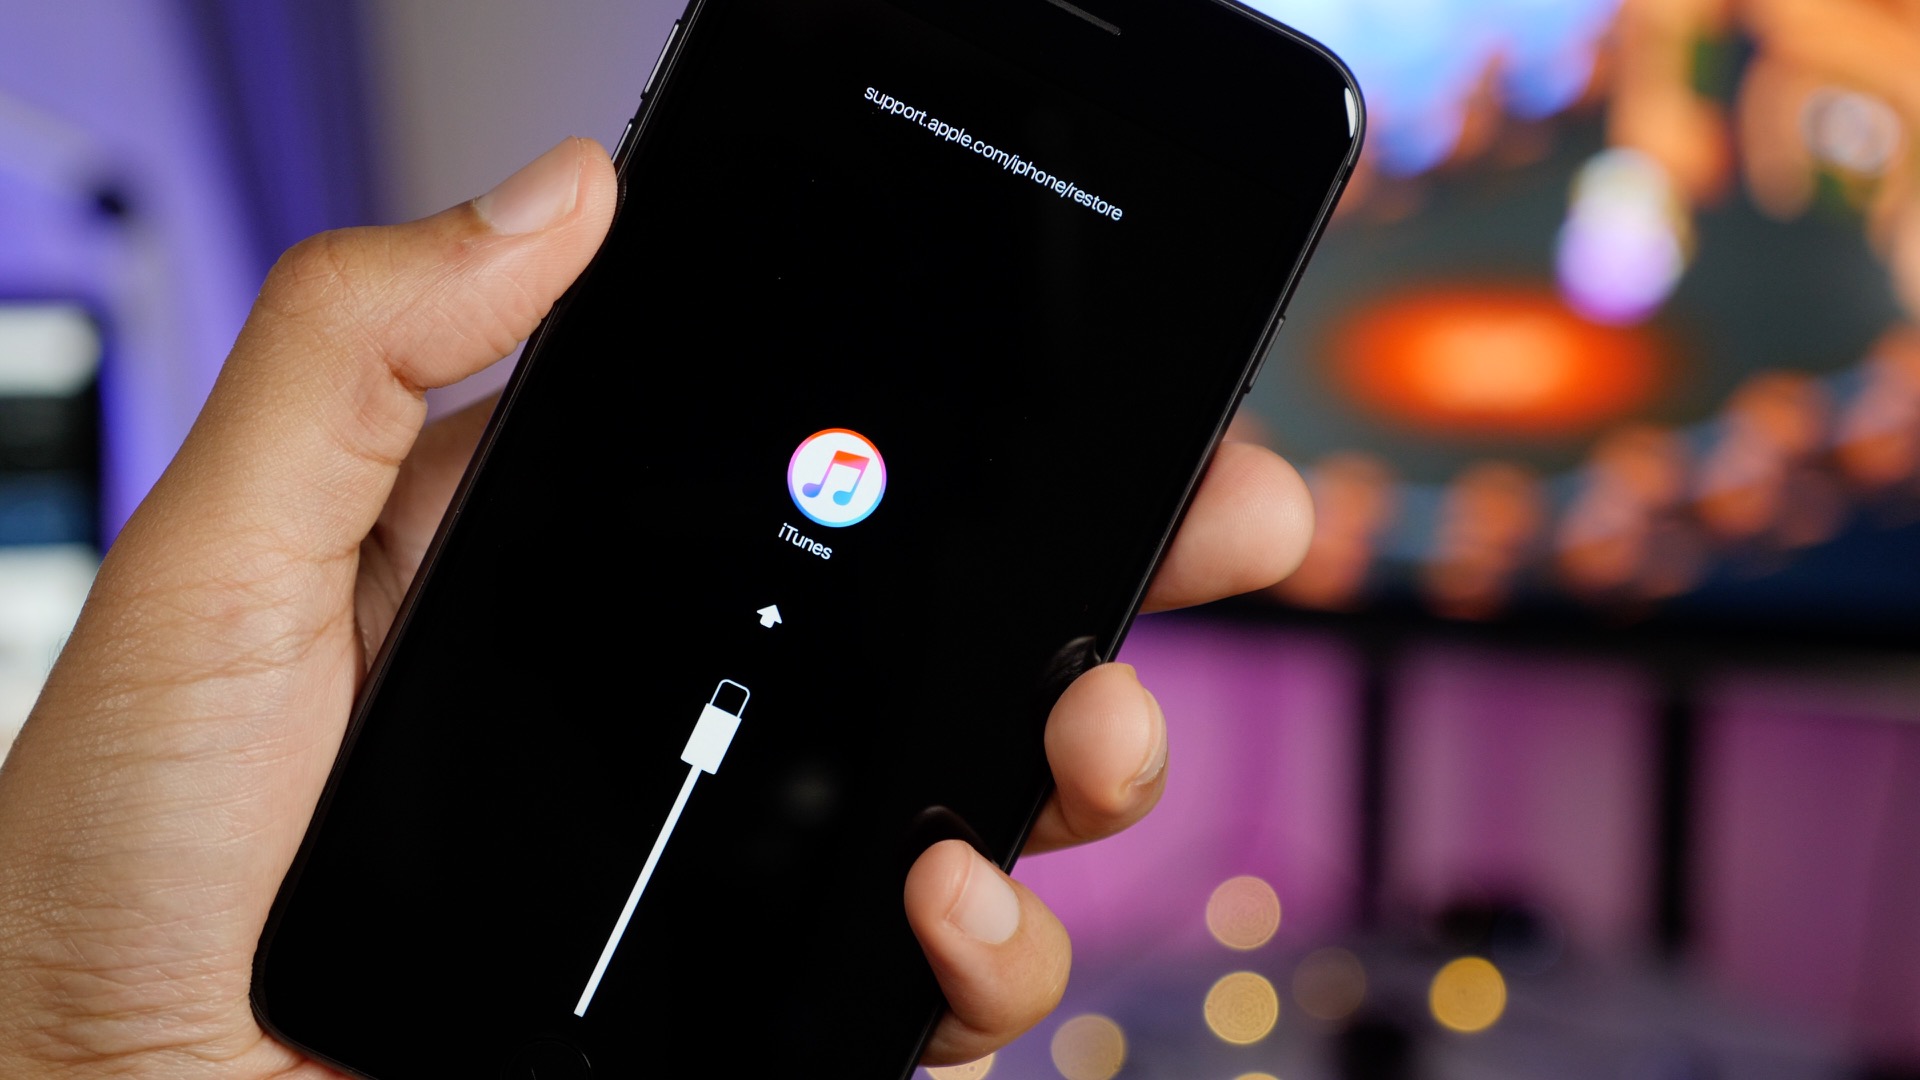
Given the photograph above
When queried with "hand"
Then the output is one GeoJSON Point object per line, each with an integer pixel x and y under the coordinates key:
{"type": "Point", "coordinates": [162, 784]}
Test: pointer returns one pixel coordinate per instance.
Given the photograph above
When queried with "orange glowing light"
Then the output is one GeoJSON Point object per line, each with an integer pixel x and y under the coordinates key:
{"type": "Point", "coordinates": [1496, 361]}
{"type": "Point", "coordinates": [1330, 984]}
{"type": "Point", "coordinates": [1243, 913]}
{"type": "Point", "coordinates": [1089, 1047]}
{"type": "Point", "coordinates": [1242, 1008]}
{"type": "Point", "coordinates": [1468, 995]}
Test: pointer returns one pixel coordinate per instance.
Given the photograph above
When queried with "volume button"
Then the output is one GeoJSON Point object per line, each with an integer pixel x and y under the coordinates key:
{"type": "Point", "coordinates": [1260, 361]}
{"type": "Point", "coordinates": [661, 60]}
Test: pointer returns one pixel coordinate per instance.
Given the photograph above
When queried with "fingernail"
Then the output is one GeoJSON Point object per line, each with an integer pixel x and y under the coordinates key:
{"type": "Point", "coordinates": [1157, 757]}
{"type": "Point", "coordinates": [987, 909]}
{"type": "Point", "coordinates": [540, 194]}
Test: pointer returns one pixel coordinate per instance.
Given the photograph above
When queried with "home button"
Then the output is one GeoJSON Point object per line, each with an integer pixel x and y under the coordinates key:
{"type": "Point", "coordinates": [549, 1059]}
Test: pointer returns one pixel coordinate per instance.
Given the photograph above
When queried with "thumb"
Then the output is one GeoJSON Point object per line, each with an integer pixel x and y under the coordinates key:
{"type": "Point", "coordinates": [299, 442]}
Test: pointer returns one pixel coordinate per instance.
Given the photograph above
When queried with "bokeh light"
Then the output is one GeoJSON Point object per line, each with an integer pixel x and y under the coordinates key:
{"type": "Point", "coordinates": [1626, 241]}
{"type": "Point", "coordinates": [1878, 440]}
{"type": "Point", "coordinates": [972, 1070]}
{"type": "Point", "coordinates": [1490, 518]}
{"type": "Point", "coordinates": [1257, 1076]}
{"type": "Point", "coordinates": [1764, 479]}
{"type": "Point", "coordinates": [1624, 532]}
{"type": "Point", "coordinates": [1243, 913]}
{"type": "Point", "coordinates": [1242, 1008]}
{"type": "Point", "coordinates": [1089, 1047]}
{"type": "Point", "coordinates": [1468, 995]}
{"type": "Point", "coordinates": [1354, 504]}
{"type": "Point", "coordinates": [1493, 360]}
{"type": "Point", "coordinates": [1330, 984]}
{"type": "Point", "coordinates": [1852, 131]}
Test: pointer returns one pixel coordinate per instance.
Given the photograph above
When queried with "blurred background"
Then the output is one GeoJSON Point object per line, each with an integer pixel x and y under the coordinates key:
{"type": "Point", "coordinates": [1586, 742]}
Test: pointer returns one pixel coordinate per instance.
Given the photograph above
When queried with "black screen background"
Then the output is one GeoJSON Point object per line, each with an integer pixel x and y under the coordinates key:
{"type": "Point", "coordinates": [1043, 383]}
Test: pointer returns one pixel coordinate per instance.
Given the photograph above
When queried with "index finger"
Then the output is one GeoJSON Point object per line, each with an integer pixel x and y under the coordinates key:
{"type": "Point", "coordinates": [1248, 528]}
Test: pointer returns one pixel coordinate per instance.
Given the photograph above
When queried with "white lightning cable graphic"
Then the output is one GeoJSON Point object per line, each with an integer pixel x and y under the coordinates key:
{"type": "Point", "coordinates": [705, 747]}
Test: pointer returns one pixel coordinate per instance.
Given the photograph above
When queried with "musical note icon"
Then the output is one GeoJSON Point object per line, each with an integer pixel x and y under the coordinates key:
{"type": "Point", "coordinates": [841, 460]}
{"type": "Point", "coordinates": [837, 477]}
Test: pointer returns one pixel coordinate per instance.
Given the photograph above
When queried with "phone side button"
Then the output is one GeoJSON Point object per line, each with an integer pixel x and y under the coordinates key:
{"type": "Point", "coordinates": [1260, 362]}
{"type": "Point", "coordinates": [661, 60]}
{"type": "Point", "coordinates": [549, 1059]}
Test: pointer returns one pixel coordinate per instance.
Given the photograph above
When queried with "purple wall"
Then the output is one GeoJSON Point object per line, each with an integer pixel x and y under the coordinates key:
{"type": "Point", "coordinates": [109, 90]}
{"type": "Point", "coordinates": [1525, 781]}
{"type": "Point", "coordinates": [1811, 870]}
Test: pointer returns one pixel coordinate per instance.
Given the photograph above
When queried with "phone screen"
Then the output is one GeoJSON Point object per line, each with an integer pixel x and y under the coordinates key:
{"type": "Point", "coordinates": [856, 442]}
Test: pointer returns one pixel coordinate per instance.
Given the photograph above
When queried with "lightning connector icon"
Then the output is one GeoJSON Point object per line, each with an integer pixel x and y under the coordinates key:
{"type": "Point", "coordinates": [712, 734]}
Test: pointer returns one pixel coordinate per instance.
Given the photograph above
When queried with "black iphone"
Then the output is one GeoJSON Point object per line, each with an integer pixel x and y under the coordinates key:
{"type": "Point", "coordinates": [861, 437]}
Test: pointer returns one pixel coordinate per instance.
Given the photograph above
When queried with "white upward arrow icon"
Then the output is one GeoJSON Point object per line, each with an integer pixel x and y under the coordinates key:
{"type": "Point", "coordinates": [770, 615]}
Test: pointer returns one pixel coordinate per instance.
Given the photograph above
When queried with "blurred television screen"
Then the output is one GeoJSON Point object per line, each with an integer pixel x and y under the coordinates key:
{"type": "Point", "coordinates": [1615, 325]}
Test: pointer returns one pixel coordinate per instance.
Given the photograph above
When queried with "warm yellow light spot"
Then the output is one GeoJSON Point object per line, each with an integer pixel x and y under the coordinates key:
{"type": "Point", "coordinates": [1243, 913]}
{"type": "Point", "coordinates": [1330, 984]}
{"type": "Point", "coordinates": [1468, 995]}
{"type": "Point", "coordinates": [1258, 1076]}
{"type": "Point", "coordinates": [1089, 1047]}
{"type": "Point", "coordinates": [972, 1070]}
{"type": "Point", "coordinates": [1242, 1008]}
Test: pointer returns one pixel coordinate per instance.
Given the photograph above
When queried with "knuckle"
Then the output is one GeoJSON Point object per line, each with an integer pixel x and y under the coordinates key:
{"type": "Point", "coordinates": [315, 264]}
{"type": "Point", "coordinates": [1095, 817]}
{"type": "Point", "coordinates": [317, 274]}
